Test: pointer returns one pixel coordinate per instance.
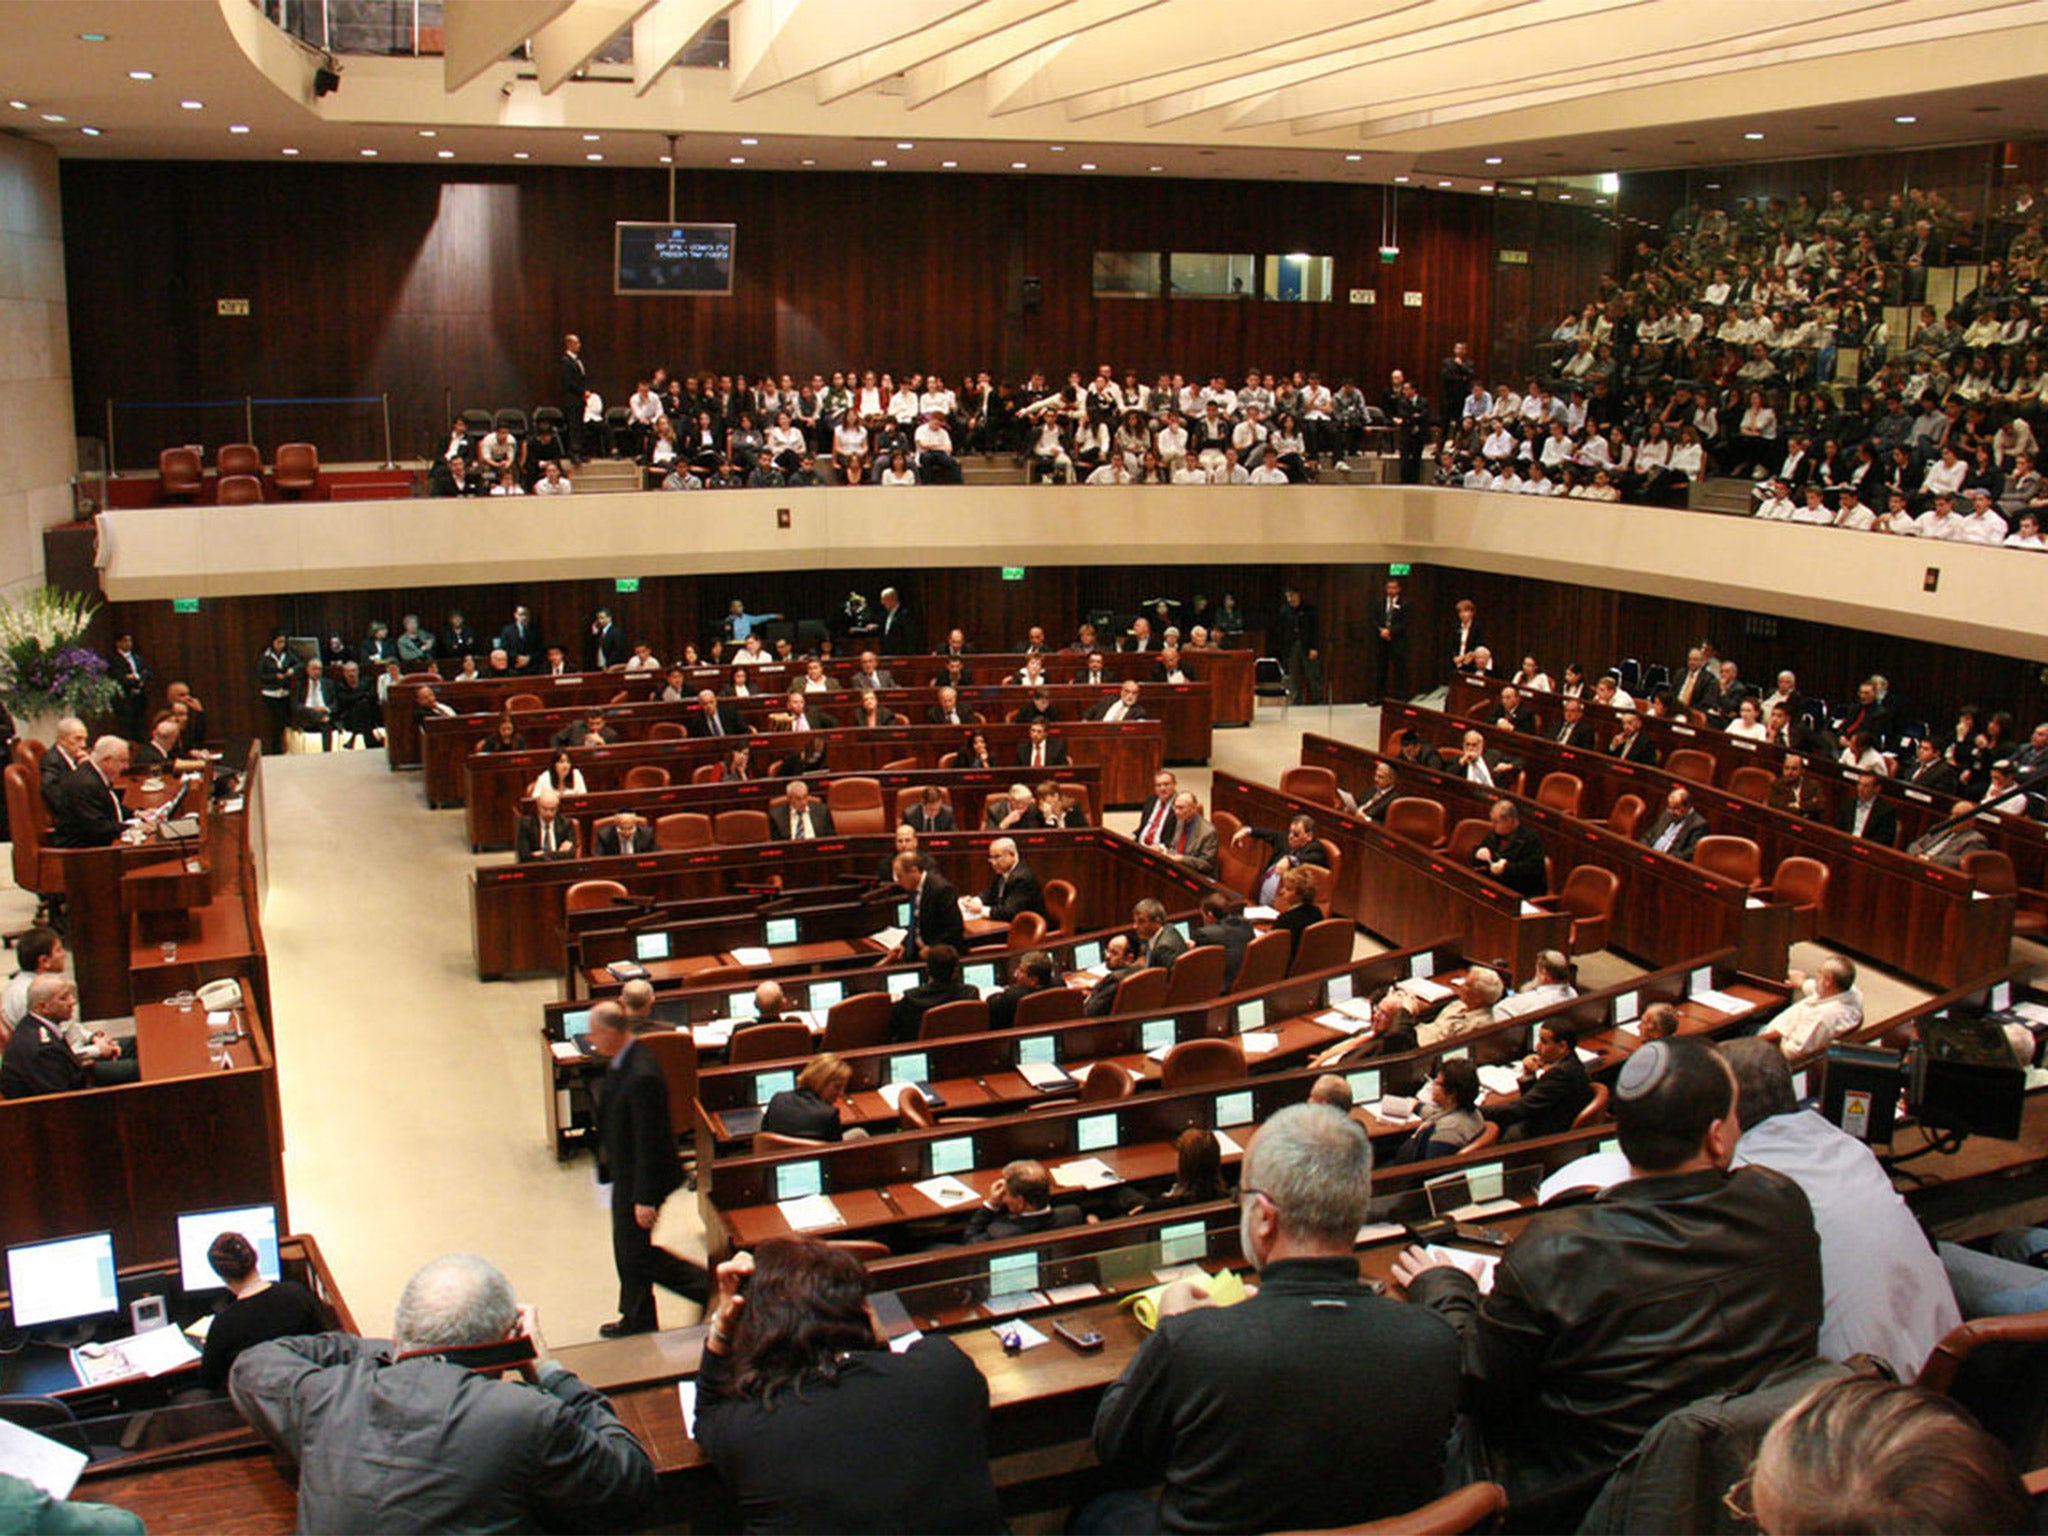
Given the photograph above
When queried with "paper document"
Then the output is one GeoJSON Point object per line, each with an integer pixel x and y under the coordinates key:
{"type": "Point", "coordinates": [1026, 1336]}
{"type": "Point", "coordinates": [1260, 914]}
{"type": "Point", "coordinates": [198, 1331]}
{"type": "Point", "coordinates": [215, 1018]}
{"type": "Point", "coordinates": [1045, 1075]}
{"type": "Point", "coordinates": [37, 1459]}
{"type": "Point", "coordinates": [1500, 1079]}
{"type": "Point", "coordinates": [565, 1050]}
{"type": "Point", "coordinates": [1596, 1170]}
{"type": "Point", "coordinates": [1429, 991]}
{"type": "Point", "coordinates": [686, 1393]}
{"type": "Point", "coordinates": [889, 938]}
{"type": "Point", "coordinates": [1378, 1232]}
{"type": "Point", "coordinates": [142, 1354]}
{"type": "Point", "coordinates": [1633, 1028]}
{"type": "Point", "coordinates": [714, 1035]}
{"type": "Point", "coordinates": [1067, 1295]}
{"type": "Point", "coordinates": [1227, 1144]}
{"type": "Point", "coordinates": [1335, 1018]}
{"type": "Point", "coordinates": [753, 954]}
{"type": "Point", "coordinates": [810, 1213]}
{"type": "Point", "coordinates": [1720, 1002]}
{"type": "Point", "coordinates": [2033, 1013]}
{"type": "Point", "coordinates": [1393, 1109]}
{"type": "Point", "coordinates": [1530, 909]}
{"type": "Point", "coordinates": [1356, 1007]}
{"type": "Point", "coordinates": [1259, 1042]}
{"type": "Point", "coordinates": [903, 1341]}
{"type": "Point", "coordinates": [1479, 1208]}
{"type": "Point", "coordinates": [1158, 1052]}
{"type": "Point", "coordinates": [945, 1190]}
{"type": "Point", "coordinates": [1480, 1266]}
{"type": "Point", "coordinates": [1085, 1173]}
{"type": "Point", "coordinates": [1586, 1055]}
{"type": "Point", "coordinates": [892, 1093]}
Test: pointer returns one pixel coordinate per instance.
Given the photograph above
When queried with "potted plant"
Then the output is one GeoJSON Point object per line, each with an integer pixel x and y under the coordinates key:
{"type": "Point", "coordinates": [46, 669]}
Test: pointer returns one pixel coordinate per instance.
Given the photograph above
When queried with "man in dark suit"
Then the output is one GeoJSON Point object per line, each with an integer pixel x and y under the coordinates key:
{"type": "Point", "coordinates": [1159, 942]}
{"type": "Point", "coordinates": [1931, 771]}
{"type": "Point", "coordinates": [1390, 653]}
{"type": "Point", "coordinates": [941, 985]}
{"type": "Point", "coordinates": [125, 667]}
{"type": "Point", "coordinates": [1468, 639]}
{"type": "Point", "coordinates": [1118, 961]}
{"type": "Point", "coordinates": [628, 834]}
{"type": "Point", "coordinates": [1012, 887]}
{"type": "Point", "coordinates": [1865, 815]}
{"type": "Point", "coordinates": [801, 717]}
{"type": "Point", "coordinates": [1225, 925]}
{"type": "Point", "coordinates": [607, 647]}
{"type": "Point", "coordinates": [1297, 639]}
{"type": "Point", "coordinates": [1678, 827]}
{"type": "Point", "coordinates": [1794, 792]}
{"type": "Point", "coordinates": [899, 627]}
{"type": "Point", "coordinates": [1512, 853]}
{"type": "Point", "coordinates": [1039, 707]}
{"type": "Point", "coordinates": [799, 818]}
{"type": "Point", "coordinates": [1155, 816]}
{"type": "Point", "coordinates": [948, 711]}
{"type": "Point", "coordinates": [637, 1135]}
{"type": "Point", "coordinates": [1696, 687]}
{"type": "Point", "coordinates": [547, 833]}
{"type": "Point", "coordinates": [89, 808]}
{"type": "Point", "coordinates": [1574, 730]}
{"type": "Point", "coordinates": [1297, 845]}
{"type": "Point", "coordinates": [574, 385]}
{"type": "Point", "coordinates": [934, 907]}
{"type": "Point", "coordinates": [1947, 846]}
{"type": "Point", "coordinates": [521, 642]}
{"type": "Point", "coordinates": [1192, 839]}
{"type": "Point", "coordinates": [1509, 711]}
{"type": "Point", "coordinates": [1867, 715]}
{"type": "Point", "coordinates": [872, 674]}
{"type": "Point", "coordinates": [931, 813]}
{"type": "Point", "coordinates": [1123, 707]}
{"type": "Point", "coordinates": [590, 731]}
{"type": "Point", "coordinates": [67, 754]}
{"type": "Point", "coordinates": [1019, 1204]}
{"type": "Point", "coordinates": [1043, 750]}
{"type": "Point", "coordinates": [1554, 1089]}
{"type": "Point", "coordinates": [313, 703]}
{"type": "Point", "coordinates": [1091, 674]}
{"type": "Point", "coordinates": [39, 1058]}
{"type": "Point", "coordinates": [1035, 972]}
{"type": "Point", "coordinates": [716, 718]}
{"type": "Point", "coordinates": [1733, 691]}
{"type": "Point", "coordinates": [1386, 789]}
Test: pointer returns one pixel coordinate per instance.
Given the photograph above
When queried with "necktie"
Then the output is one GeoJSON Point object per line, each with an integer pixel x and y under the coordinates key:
{"type": "Point", "coordinates": [717, 725]}
{"type": "Point", "coordinates": [1038, 755]}
{"type": "Point", "coordinates": [547, 837]}
{"type": "Point", "coordinates": [1667, 837]}
{"type": "Point", "coordinates": [1181, 844]}
{"type": "Point", "coordinates": [1153, 823]}
{"type": "Point", "coordinates": [803, 824]}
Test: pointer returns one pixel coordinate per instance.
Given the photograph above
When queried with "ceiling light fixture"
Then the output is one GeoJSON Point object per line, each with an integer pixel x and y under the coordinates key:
{"type": "Point", "coordinates": [445, 154]}
{"type": "Point", "coordinates": [880, 165]}
{"type": "Point", "coordinates": [92, 37]}
{"type": "Point", "coordinates": [737, 160]}
{"type": "Point", "coordinates": [141, 74]}
{"type": "Point", "coordinates": [1354, 159]}
{"type": "Point", "coordinates": [90, 132]}
{"type": "Point", "coordinates": [1020, 165]}
{"type": "Point", "coordinates": [592, 138]}
{"type": "Point", "coordinates": [748, 143]}
{"type": "Point", "coordinates": [367, 154]}
{"type": "Point", "coordinates": [906, 144]}
{"type": "Point", "coordinates": [809, 162]}
{"type": "Point", "coordinates": [1403, 180]}
{"type": "Point", "coordinates": [1087, 165]}
{"type": "Point", "coordinates": [1906, 118]}
{"type": "Point", "coordinates": [593, 157]}
{"type": "Point", "coordinates": [1752, 136]}
{"type": "Point", "coordinates": [522, 154]}
{"type": "Point", "coordinates": [193, 106]}
{"type": "Point", "coordinates": [1155, 167]}
{"type": "Point", "coordinates": [53, 117]}
{"type": "Point", "coordinates": [289, 149]}
{"type": "Point", "coordinates": [949, 165]}
{"type": "Point", "coordinates": [429, 133]}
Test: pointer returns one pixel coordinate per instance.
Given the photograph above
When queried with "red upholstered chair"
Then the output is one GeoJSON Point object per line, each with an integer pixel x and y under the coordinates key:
{"type": "Point", "coordinates": [770, 1141]}
{"type": "Point", "coordinates": [1803, 882]}
{"type": "Point", "coordinates": [1141, 991]}
{"type": "Point", "coordinates": [682, 829]}
{"type": "Point", "coordinates": [1324, 946]}
{"type": "Point", "coordinates": [1059, 907]}
{"type": "Point", "coordinates": [239, 491]}
{"type": "Point", "coordinates": [1416, 819]}
{"type": "Point", "coordinates": [915, 1110]}
{"type": "Point", "coordinates": [179, 473]}
{"type": "Point", "coordinates": [856, 1022]}
{"type": "Point", "coordinates": [519, 701]}
{"type": "Point", "coordinates": [297, 470]}
{"type": "Point", "coordinates": [1194, 1062]}
{"type": "Point", "coordinates": [1311, 782]}
{"type": "Point", "coordinates": [902, 764]}
{"type": "Point", "coordinates": [1474, 1507]}
{"type": "Point", "coordinates": [1563, 792]}
{"type": "Point", "coordinates": [1752, 783]}
{"type": "Point", "coordinates": [1596, 1108]}
{"type": "Point", "coordinates": [667, 730]}
{"type": "Point", "coordinates": [586, 895]}
{"type": "Point", "coordinates": [238, 459]}
{"type": "Point", "coordinates": [707, 773]}
{"type": "Point", "coordinates": [1732, 858]}
{"type": "Point", "coordinates": [37, 866]}
{"type": "Point", "coordinates": [768, 1042]}
{"type": "Point", "coordinates": [1588, 899]}
{"type": "Point", "coordinates": [1106, 1081]}
{"type": "Point", "coordinates": [1466, 837]}
{"type": "Point", "coordinates": [913, 795]}
{"type": "Point", "coordinates": [1196, 977]}
{"type": "Point", "coordinates": [948, 1019]}
{"type": "Point", "coordinates": [740, 827]}
{"type": "Point", "coordinates": [1625, 815]}
{"type": "Point", "coordinates": [646, 776]}
{"type": "Point", "coordinates": [1049, 1005]}
{"type": "Point", "coordinates": [1265, 961]}
{"type": "Point", "coordinates": [1992, 873]}
{"type": "Point", "coordinates": [1691, 763]}
{"type": "Point", "coordinates": [856, 806]}
{"type": "Point", "coordinates": [1026, 929]}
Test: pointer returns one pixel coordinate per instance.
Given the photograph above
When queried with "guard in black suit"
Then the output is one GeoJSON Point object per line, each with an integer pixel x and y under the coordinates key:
{"type": "Point", "coordinates": [1510, 711]}
{"type": "Point", "coordinates": [608, 647]}
{"type": "Point", "coordinates": [521, 642]}
{"type": "Point", "coordinates": [89, 808]}
{"type": "Point", "coordinates": [574, 384]}
{"type": "Point", "coordinates": [899, 628]}
{"type": "Point", "coordinates": [1390, 648]}
{"type": "Point", "coordinates": [638, 1140]}
{"type": "Point", "coordinates": [125, 667]}
{"type": "Point", "coordinates": [934, 907]}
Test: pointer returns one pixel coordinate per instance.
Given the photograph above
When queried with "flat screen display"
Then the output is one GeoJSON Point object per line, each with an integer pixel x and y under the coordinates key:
{"type": "Point", "coordinates": [55, 1282]}
{"type": "Point", "coordinates": [672, 260]}
{"type": "Point", "coordinates": [650, 946]}
{"type": "Point", "coordinates": [198, 1229]}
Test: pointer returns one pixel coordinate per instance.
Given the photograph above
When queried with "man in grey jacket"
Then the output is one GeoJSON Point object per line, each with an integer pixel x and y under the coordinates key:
{"type": "Point", "coordinates": [404, 1435]}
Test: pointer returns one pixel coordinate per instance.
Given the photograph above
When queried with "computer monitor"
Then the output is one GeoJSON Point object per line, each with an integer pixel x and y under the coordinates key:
{"type": "Point", "coordinates": [198, 1229]}
{"type": "Point", "coordinates": [575, 1023]}
{"type": "Point", "coordinates": [825, 993]}
{"type": "Point", "coordinates": [55, 1282]}
{"type": "Point", "coordinates": [780, 930]}
{"type": "Point", "coordinates": [901, 982]}
{"type": "Point", "coordinates": [981, 975]}
{"type": "Point", "coordinates": [651, 946]}
{"type": "Point", "coordinates": [1087, 956]}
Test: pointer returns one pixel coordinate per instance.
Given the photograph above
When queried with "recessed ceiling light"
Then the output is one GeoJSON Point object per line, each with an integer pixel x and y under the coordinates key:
{"type": "Point", "coordinates": [949, 165]}
{"type": "Point", "coordinates": [19, 106]}
{"type": "Point", "coordinates": [593, 156]}
{"type": "Point", "coordinates": [748, 143]}
{"type": "Point", "coordinates": [1601, 201]}
{"type": "Point", "coordinates": [737, 160]}
{"type": "Point", "coordinates": [1906, 118]}
{"type": "Point", "coordinates": [368, 154]}
{"type": "Point", "coordinates": [92, 37]}
{"type": "Point", "coordinates": [522, 154]}
{"type": "Point", "coordinates": [193, 106]}
{"type": "Point", "coordinates": [289, 149]}
{"type": "Point", "coordinates": [809, 162]}
{"type": "Point", "coordinates": [1402, 179]}
{"type": "Point", "coordinates": [1486, 186]}
{"type": "Point", "coordinates": [141, 74]}
{"type": "Point", "coordinates": [238, 127]}
{"type": "Point", "coordinates": [429, 133]}
{"type": "Point", "coordinates": [1155, 167]}
{"type": "Point", "coordinates": [1443, 183]}
{"type": "Point", "coordinates": [444, 154]}
{"type": "Point", "coordinates": [1528, 191]}
{"type": "Point", "coordinates": [53, 117]}
{"type": "Point", "coordinates": [1058, 149]}
{"type": "Point", "coordinates": [1020, 165]}
{"type": "Point", "coordinates": [906, 144]}
{"type": "Point", "coordinates": [1087, 165]}
{"type": "Point", "coordinates": [1564, 197]}
{"type": "Point", "coordinates": [667, 159]}
{"type": "Point", "coordinates": [90, 132]}
{"type": "Point", "coordinates": [592, 138]}
{"type": "Point", "coordinates": [880, 165]}
{"type": "Point", "coordinates": [1752, 136]}
{"type": "Point", "coordinates": [1713, 186]}
{"type": "Point", "coordinates": [1354, 159]}
{"type": "Point", "coordinates": [1493, 159]}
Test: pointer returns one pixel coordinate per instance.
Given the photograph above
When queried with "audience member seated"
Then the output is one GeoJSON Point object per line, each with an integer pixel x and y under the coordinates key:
{"type": "Point", "coordinates": [562, 776]}
{"type": "Point", "coordinates": [40, 953]}
{"type": "Point", "coordinates": [1471, 1008]}
{"type": "Point", "coordinates": [403, 1434]}
{"type": "Point", "coordinates": [1034, 972]}
{"type": "Point", "coordinates": [1824, 1005]}
{"type": "Point", "coordinates": [798, 1378]}
{"type": "Point", "coordinates": [1224, 924]}
{"type": "Point", "coordinates": [811, 1108]}
{"type": "Point", "coordinates": [1295, 902]}
{"type": "Point", "coordinates": [1220, 1403]}
{"type": "Point", "coordinates": [1678, 827]}
{"type": "Point", "coordinates": [1296, 846]}
{"type": "Point", "coordinates": [1119, 960]}
{"type": "Point", "coordinates": [1553, 1089]}
{"type": "Point", "coordinates": [1012, 887]}
{"type": "Point", "coordinates": [627, 835]}
{"type": "Point", "coordinates": [1449, 1107]}
{"type": "Point", "coordinates": [39, 1058]}
{"type": "Point", "coordinates": [1198, 1179]}
{"type": "Point", "coordinates": [1390, 1032]}
{"type": "Point", "coordinates": [801, 818]}
{"type": "Point", "coordinates": [941, 985]}
{"type": "Point", "coordinates": [90, 813]}
{"type": "Point", "coordinates": [1512, 853]}
{"type": "Point", "coordinates": [1605, 1316]}
{"type": "Point", "coordinates": [771, 1006]}
{"type": "Point", "coordinates": [546, 833]}
{"type": "Point", "coordinates": [258, 1310]}
{"type": "Point", "coordinates": [1019, 1204]}
{"type": "Point", "coordinates": [1551, 984]}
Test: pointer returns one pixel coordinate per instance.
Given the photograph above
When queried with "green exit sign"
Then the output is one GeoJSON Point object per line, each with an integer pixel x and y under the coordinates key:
{"type": "Point", "coordinates": [626, 584]}
{"type": "Point", "coordinates": [184, 605]}
{"type": "Point", "coordinates": [1013, 573]}
{"type": "Point", "coordinates": [1397, 570]}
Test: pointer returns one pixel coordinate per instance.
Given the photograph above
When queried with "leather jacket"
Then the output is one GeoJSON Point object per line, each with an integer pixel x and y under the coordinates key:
{"type": "Point", "coordinates": [1608, 1315]}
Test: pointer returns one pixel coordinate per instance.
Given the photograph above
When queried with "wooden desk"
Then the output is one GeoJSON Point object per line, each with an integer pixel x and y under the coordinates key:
{"type": "Point", "coordinates": [1913, 915]}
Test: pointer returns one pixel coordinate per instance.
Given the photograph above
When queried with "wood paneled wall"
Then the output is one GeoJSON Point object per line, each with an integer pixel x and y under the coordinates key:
{"type": "Point", "coordinates": [443, 286]}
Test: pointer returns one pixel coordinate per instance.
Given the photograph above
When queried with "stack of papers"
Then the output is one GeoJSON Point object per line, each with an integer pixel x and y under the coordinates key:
{"type": "Point", "coordinates": [1429, 991]}
{"type": "Point", "coordinates": [810, 1213]}
{"type": "Point", "coordinates": [889, 938]}
{"type": "Point", "coordinates": [143, 1354]}
{"type": "Point", "coordinates": [566, 1050]}
{"type": "Point", "coordinates": [1085, 1173]}
{"type": "Point", "coordinates": [1260, 914]}
{"type": "Point", "coordinates": [1358, 1008]}
{"type": "Point", "coordinates": [1499, 1079]}
{"type": "Point", "coordinates": [1720, 1002]}
{"type": "Point", "coordinates": [753, 954]}
{"type": "Point", "coordinates": [37, 1459]}
{"type": "Point", "coordinates": [715, 1035]}
{"type": "Point", "coordinates": [946, 1191]}
{"type": "Point", "coordinates": [1045, 1075]}
{"type": "Point", "coordinates": [1393, 1109]}
{"type": "Point", "coordinates": [1259, 1042]}
{"type": "Point", "coordinates": [1480, 1266]}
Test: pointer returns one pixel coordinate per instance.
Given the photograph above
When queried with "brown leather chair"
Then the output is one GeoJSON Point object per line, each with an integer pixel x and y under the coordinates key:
{"type": "Point", "coordinates": [707, 773]}
{"type": "Point", "coordinates": [988, 804]}
{"type": "Point", "coordinates": [857, 1022]}
{"type": "Point", "coordinates": [667, 730]}
{"type": "Point", "coordinates": [37, 866]}
{"type": "Point", "coordinates": [1416, 819]}
{"type": "Point", "coordinates": [946, 759]}
{"type": "Point", "coordinates": [676, 1050]}
{"type": "Point", "coordinates": [1588, 899]}
{"type": "Point", "coordinates": [1059, 907]}
{"type": "Point", "coordinates": [912, 795]}
{"type": "Point", "coordinates": [587, 895]}
{"type": "Point", "coordinates": [856, 806]}
{"type": "Point", "coordinates": [1312, 782]}
{"type": "Point", "coordinates": [1595, 1110]}
{"type": "Point", "coordinates": [1992, 873]}
{"type": "Point", "coordinates": [29, 753]}
{"type": "Point", "coordinates": [1265, 961]}
{"type": "Point", "coordinates": [1324, 946]}
{"type": "Point", "coordinates": [1106, 1081]}
{"type": "Point", "coordinates": [646, 776]}
{"type": "Point", "coordinates": [1026, 930]}
{"type": "Point", "coordinates": [1564, 792]}
{"type": "Point", "coordinates": [901, 764]}
{"type": "Point", "coordinates": [1474, 1507]}
{"type": "Point", "coordinates": [1049, 1005]}
{"type": "Point", "coordinates": [519, 701]}
{"type": "Point", "coordinates": [1732, 858]}
{"type": "Point", "coordinates": [238, 459]}
{"type": "Point", "coordinates": [865, 1249]}
{"type": "Point", "coordinates": [1141, 991]}
{"type": "Point", "coordinates": [1802, 882]}
{"type": "Point", "coordinates": [969, 1017]}
{"type": "Point", "coordinates": [1625, 815]}
{"type": "Point", "coordinates": [1194, 1062]}
{"type": "Point", "coordinates": [915, 1110]}
{"type": "Point", "coordinates": [732, 827]}
{"type": "Point", "coordinates": [773, 1141]}
{"type": "Point", "coordinates": [1751, 783]}
{"type": "Point", "coordinates": [239, 491]}
{"type": "Point", "coordinates": [682, 829]}
{"type": "Point", "coordinates": [1196, 977]}
{"type": "Point", "coordinates": [1945, 1364]}
{"type": "Point", "coordinates": [1078, 793]}
{"type": "Point", "coordinates": [1690, 763]}
{"type": "Point", "coordinates": [768, 1042]}
{"type": "Point", "coordinates": [1465, 839]}
{"type": "Point", "coordinates": [1488, 1135]}
{"type": "Point", "coordinates": [297, 469]}
{"type": "Point", "coordinates": [179, 473]}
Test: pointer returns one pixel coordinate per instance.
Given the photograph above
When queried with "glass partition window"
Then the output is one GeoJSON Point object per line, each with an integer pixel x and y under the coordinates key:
{"type": "Point", "coordinates": [1128, 274]}
{"type": "Point", "coordinates": [1202, 275]}
{"type": "Point", "coordinates": [1299, 278]}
